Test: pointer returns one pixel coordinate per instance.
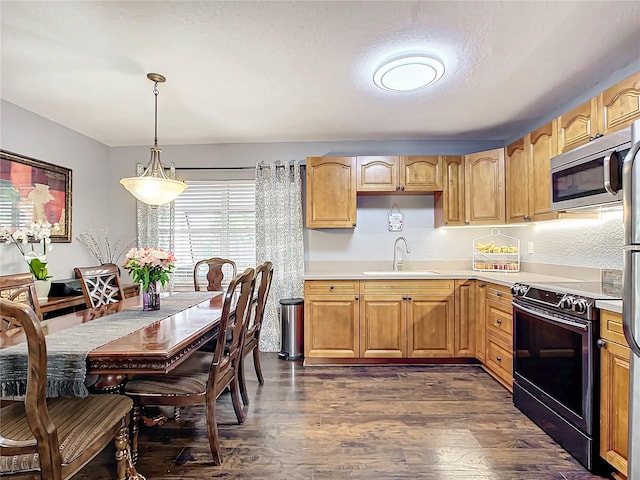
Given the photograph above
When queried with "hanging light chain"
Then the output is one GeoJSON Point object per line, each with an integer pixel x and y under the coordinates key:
{"type": "Point", "coordinates": [155, 133]}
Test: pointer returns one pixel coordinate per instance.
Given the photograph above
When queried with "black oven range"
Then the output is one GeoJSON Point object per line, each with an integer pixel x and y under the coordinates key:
{"type": "Point", "coordinates": [556, 362]}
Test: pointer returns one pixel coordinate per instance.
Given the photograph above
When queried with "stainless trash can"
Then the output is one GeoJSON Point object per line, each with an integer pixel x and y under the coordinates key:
{"type": "Point", "coordinates": [292, 328]}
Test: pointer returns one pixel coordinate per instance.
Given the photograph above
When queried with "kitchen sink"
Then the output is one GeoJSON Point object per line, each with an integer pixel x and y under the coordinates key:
{"type": "Point", "coordinates": [402, 272]}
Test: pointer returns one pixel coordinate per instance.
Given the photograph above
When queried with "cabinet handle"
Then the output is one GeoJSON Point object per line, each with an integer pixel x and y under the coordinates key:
{"type": "Point", "coordinates": [357, 297]}
{"type": "Point", "coordinates": [446, 223]}
{"type": "Point", "coordinates": [397, 188]}
{"type": "Point", "coordinates": [498, 321]}
{"type": "Point", "coordinates": [498, 294]}
{"type": "Point", "coordinates": [499, 359]}
{"type": "Point", "coordinates": [353, 224]}
{"type": "Point", "coordinates": [331, 287]}
{"type": "Point", "coordinates": [408, 298]}
{"type": "Point", "coordinates": [467, 223]}
{"type": "Point", "coordinates": [404, 298]}
{"type": "Point", "coordinates": [600, 343]}
{"type": "Point", "coordinates": [402, 188]}
{"type": "Point", "coordinates": [483, 285]}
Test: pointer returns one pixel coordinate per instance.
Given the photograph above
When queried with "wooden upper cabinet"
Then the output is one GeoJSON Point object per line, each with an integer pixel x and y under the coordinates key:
{"type": "Point", "coordinates": [517, 175]}
{"type": "Point", "coordinates": [331, 192]}
{"type": "Point", "coordinates": [377, 174]}
{"type": "Point", "coordinates": [420, 173]}
{"type": "Point", "coordinates": [541, 146]}
{"type": "Point", "coordinates": [399, 174]}
{"type": "Point", "coordinates": [576, 127]}
{"type": "Point", "coordinates": [619, 105]}
{"type": "Point", "coordinates": [528, 176]}
{"type": "Point", "coordinates": [484, 187]}
{"type": "Point", "coordinates": [449, 204]}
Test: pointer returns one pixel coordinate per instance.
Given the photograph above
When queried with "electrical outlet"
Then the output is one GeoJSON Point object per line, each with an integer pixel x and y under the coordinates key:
{"type": "Point", "coordinates": [530, 247]}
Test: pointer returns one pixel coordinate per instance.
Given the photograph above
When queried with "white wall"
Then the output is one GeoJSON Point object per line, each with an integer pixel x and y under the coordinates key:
{"type": "Point", "coordinates": [588, 243]}
{"type": "Point", "coordinates": [28, 134]}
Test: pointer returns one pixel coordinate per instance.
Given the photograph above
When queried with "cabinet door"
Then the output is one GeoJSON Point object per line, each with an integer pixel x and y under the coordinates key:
{"type": "Point", "coordinates": [517, 182]}
{"type": "Point", "coordinates": [619, 105]}
{"type": "Point", "coordinates": [541, 146]}
{"type": "Point", "coordinates": [449, 204]}
{"type": "Point", "coordinates": [331, 192]}
{"type": "Point", "coordinates": [383, 326]}
{"type": "Point", "coordinates": [481, 314]}
{"type": "Point", "coordinates": [577, 126]}
{"type": "Point", "coordinates": [430, 324]}
{"type": "Point", "coordinates": [331, 326]}
{"type": "Point", "coordinates": [614, 405]}
{"type": "Point", "coordinates": [484, 187]}
{"type": "Point", "coordinates": [465, 321]}
{"type": "Point", "coordinates": [377, 174]}
{"type": "Point", "coordinates": [420, 173]}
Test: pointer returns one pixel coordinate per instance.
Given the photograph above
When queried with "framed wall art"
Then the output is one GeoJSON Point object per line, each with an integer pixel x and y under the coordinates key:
{"type": "Point", "coordinates": [35, 191]}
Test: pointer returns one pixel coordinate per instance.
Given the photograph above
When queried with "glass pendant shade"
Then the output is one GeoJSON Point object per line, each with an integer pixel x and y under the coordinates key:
{"type": "Point", "coordinates": [153, 187]}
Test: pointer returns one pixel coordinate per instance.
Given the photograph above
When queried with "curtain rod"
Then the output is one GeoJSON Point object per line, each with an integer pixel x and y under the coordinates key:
{"type": "Point", "coordinates": [234, 168]}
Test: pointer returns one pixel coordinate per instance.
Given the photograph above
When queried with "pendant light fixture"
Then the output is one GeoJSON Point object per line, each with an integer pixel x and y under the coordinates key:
{"type": "Point", "coordinates": [153, 187]}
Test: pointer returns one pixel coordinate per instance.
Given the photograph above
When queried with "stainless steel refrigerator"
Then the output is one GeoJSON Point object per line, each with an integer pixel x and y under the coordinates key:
{"type": "Point", "coordinates": [631, 297]}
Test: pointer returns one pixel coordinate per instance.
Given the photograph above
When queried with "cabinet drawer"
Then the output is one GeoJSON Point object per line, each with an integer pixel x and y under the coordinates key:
{"type": "Point", "coordinates": [500, 361]}
{"type": "Point", "coordinates": [611, 327]}
{"type": "Point", "coordinates": [329, 287]}
{"type": "Point", "coordinates": [422, 287]}
{"type": "Point", "coordinates": [499, 294]}
{"type": "Point", "coordinates": [499, 322]}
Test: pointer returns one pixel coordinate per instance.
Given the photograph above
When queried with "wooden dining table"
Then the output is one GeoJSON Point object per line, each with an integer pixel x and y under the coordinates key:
{"type": "Point", "coordinates": [157, 348]}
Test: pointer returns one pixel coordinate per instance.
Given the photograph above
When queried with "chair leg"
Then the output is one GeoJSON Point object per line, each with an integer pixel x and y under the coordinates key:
{"type": "Point", "coordinates": [135, 428]}
{"type": "Point", "coordinates": [235, 399]}
{"type": "Point", "coordinates": [256, 364]}
{"type": "Point", "coordinates": [242, 382]}
{"type": "Point", "coordinates": [212, 431]}
{"type": "Point", "coordinates": [121, 442]}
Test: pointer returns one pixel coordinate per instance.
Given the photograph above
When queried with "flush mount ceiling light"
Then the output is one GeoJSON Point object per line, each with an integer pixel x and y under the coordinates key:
{"type": "Point", "coordinates": [407, 73]}
{"type": "Point", "coordinates": [153, 187]}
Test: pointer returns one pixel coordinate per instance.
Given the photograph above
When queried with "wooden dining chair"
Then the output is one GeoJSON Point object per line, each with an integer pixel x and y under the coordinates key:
{"type": "Point", "coordinates": [100, 285]}
{"type": "Point", "coordinates": [54, 438]}
{"type": "Point", "coordinates": [264, 275]}
{"type": "Point", "coordinates": [204, 375]}
{"type": "Point", "coordinates": [21, 288]}
{"type": "Point", "coordinates": [217, 267]}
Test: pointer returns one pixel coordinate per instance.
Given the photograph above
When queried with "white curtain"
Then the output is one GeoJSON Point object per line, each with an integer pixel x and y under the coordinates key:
{"type": "Point", "coordinates": [279, 240]}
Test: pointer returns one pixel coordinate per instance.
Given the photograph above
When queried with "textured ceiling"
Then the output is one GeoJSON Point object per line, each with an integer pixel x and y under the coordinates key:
{"type": "Point", "coordinates": [266, 71]}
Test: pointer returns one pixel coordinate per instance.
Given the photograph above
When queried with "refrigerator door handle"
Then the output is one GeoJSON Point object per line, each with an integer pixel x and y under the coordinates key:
{"type": "Point", "coordinates": [630, 298]}
{"type": "Point", "coordinates": [629, 203]}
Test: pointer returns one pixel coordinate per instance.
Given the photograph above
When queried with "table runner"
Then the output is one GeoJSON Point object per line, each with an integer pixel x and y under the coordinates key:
{"type": "Point", "coordinates": [67, 349]}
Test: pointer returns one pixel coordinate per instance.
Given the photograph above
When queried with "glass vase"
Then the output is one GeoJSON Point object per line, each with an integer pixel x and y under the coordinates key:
{"type": "Point", "coordinates": [151, 297]}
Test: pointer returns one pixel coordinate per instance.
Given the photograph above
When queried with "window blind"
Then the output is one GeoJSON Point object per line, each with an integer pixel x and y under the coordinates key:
{"type": "Point", "coordinates": [211, 219]}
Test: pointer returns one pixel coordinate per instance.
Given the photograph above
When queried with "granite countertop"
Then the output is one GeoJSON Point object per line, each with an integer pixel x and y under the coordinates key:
{"type": "Point", "coordinates": [382, 271]}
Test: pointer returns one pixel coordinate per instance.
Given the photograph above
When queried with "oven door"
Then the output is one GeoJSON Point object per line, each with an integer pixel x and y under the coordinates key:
{"type": "Point", "coordinates": [553, 360]}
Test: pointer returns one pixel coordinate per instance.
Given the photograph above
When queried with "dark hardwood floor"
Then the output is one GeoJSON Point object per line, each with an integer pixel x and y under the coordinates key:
{"type": "Point", "coordinates": [365, 422]}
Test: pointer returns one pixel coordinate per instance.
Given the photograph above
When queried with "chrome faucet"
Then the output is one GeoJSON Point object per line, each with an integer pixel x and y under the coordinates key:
{"type": "Point", "coordinates": [398, 263]}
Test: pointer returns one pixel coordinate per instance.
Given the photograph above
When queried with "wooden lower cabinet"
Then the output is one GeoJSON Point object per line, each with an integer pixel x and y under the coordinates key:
{"type": "Point", "coordinates": [332, 313]}
{"type": "Point", "coordinates": [381, 319]}
{"type": "Point", "coordinates": [481, 322]}
{"type": "Point", "coordinates": [614, 393]}
{"type": "Point", "coordinates": [465, 319]}
{"type": "Point", "coordinates": [498, 359]}
{"type": "Point", "coordinates": [430, 325]}
{"type": "Point", "coordinates": [383, 326]}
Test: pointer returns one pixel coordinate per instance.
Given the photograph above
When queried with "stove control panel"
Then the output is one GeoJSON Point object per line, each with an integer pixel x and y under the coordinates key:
{"type": "Point", "coordinates": [519, 290]}
{"type": "Point", "coordinates": [554, 300]}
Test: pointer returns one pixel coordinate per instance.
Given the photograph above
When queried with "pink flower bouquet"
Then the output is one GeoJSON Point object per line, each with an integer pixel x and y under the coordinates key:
{"type": "Point", "coordinates": [149, 265]}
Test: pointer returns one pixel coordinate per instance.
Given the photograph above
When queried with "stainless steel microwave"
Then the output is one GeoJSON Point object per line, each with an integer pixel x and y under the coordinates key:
{"type": "Point", "coordinates": [590, 175]}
